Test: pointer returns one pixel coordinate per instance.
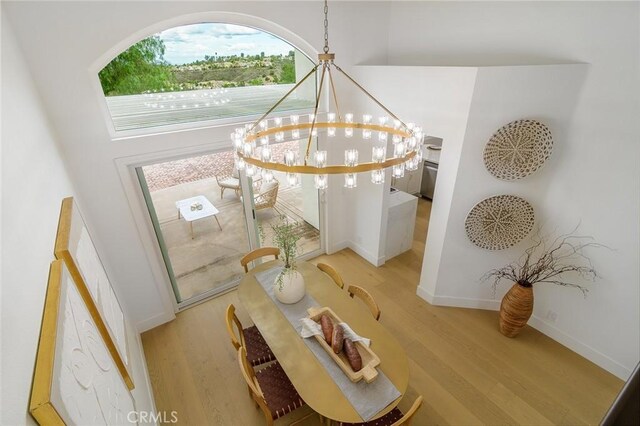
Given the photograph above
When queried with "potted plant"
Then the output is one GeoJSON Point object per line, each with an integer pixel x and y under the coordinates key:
{"type": "Point", "coordinates": [541, 263]}
{"type": "Point", "coordinates": [289, 285]}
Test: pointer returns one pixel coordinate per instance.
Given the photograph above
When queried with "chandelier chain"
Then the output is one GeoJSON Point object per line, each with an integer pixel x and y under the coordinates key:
{"type": "Point", "coordinates": [326, 27]}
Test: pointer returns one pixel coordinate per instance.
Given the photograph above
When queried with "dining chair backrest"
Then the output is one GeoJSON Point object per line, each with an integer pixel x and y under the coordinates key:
{"type": "Point", "coordinates": [258, 253]}
{"type": "Point", "coordinates": [363, 294]}
{"type": "Point", "coordinates": [408, 416]}
{"type": "Point", "coordinates": [332, 273]}
{"type": "Point", "coordinates": [249, 376]}
{"type": "Point", "coordinates": [232, 320]}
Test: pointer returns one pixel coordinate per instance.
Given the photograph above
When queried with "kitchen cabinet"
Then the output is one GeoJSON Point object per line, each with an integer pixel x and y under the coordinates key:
{"type": "Point", "coordinates": [400, 223]}
{"type": "Point", "coordinates": [410, 183]}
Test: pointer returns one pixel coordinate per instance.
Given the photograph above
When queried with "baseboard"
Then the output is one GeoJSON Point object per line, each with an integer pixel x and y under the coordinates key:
{"type": "Point", "coordinates": [155, 321]}
{"type": "Point", "coordinates": [147, 378]}
{"type": "Point", "coordinates": [459, 302]}
{"type": "Point", "coordinates": [425, 295]}
{"type": "Point", "coordinates": [365, 254]}
{"type": "Point", "coordinates": [337, 247]}
{"type": "Point", "coordinates": [544, 327]}
{"type": "Point", "coordinates": [580, 348]}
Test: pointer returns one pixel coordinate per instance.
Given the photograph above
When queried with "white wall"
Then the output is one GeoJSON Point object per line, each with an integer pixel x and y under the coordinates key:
{"type": "Point", "coordinates": [593, 174]}
{"type": "Point", "coordinates": [438, 99]}
{"type": "Point", "coordinates": [356, 34]}
{"type": "Point", "coordinates": [34, 182]}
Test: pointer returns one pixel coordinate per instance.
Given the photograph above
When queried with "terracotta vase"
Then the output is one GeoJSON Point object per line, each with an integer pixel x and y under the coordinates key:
{"type": "Point", "coordinates": [515, 309]}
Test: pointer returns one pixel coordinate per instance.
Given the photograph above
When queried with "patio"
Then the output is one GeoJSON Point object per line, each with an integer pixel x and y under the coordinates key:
{"type": "Point", "coordinates": [211, 258]}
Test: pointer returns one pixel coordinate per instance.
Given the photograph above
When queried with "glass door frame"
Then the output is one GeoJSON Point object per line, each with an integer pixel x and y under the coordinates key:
{"type": "Point", "coordinates": [251, 225]}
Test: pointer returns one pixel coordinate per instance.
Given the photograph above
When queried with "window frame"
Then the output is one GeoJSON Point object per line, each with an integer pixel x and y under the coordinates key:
{"type": "Point", "coordinates": [249, 21]}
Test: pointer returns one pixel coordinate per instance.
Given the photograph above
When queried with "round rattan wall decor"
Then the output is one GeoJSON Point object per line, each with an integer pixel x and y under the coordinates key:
{"type": "Point", "coordinates": [518, 149]}
{"type": "Point", "coordinates": [499, 222]}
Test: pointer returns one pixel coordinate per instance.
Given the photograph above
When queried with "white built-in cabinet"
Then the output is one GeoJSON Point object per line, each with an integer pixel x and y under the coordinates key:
{"type": "Point", "coordinates": [410, 183]}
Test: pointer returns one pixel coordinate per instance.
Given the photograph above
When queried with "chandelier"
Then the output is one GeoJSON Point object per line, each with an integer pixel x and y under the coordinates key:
{"type": "Point", "coordinates": [389, 143]}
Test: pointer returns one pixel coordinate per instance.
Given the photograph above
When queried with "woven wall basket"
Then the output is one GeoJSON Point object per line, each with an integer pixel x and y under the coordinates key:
{"type": "Point", "coordinates": [499, 222]}
{"type": "Point", "coordinates": [518, 149]}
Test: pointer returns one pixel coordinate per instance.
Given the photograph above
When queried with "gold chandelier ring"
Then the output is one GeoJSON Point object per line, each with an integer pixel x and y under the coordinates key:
{"type": "Point", "coordinates": [323, 125]}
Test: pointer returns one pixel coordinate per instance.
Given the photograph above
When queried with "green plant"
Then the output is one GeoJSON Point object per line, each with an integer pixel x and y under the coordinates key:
{"type": "Point", "coordinates": [545, 262]}
{"type": "Point", "coordinates": [286, 239]}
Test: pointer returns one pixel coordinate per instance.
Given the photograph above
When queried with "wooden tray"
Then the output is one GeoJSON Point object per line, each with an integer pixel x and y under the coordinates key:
{"type": "Point", "coordinates": [369, 359]}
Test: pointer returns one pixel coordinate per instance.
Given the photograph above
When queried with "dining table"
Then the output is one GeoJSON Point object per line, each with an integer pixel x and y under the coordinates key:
{"type": "Point", "coordinates": [309, 377]}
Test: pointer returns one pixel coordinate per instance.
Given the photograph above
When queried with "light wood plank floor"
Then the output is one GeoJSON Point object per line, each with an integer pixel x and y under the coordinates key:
{"type": "Point", "coordinates": [466, 370]}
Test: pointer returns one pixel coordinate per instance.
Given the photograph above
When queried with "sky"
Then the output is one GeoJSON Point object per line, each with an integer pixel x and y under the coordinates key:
{"type": "Point", "coordinates": [192, 42]}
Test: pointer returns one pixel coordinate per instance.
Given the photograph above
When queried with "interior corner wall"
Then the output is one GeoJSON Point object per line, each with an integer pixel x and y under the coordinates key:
{"type": "Point", "coordinates": [34, 182]}
{"type": "Point", "coordinates": [438, 99]}
{"type": "Point", "coordinates": [593, 174]}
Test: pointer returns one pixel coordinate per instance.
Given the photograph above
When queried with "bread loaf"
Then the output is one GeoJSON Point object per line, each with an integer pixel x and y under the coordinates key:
{"type": "Point", "coordinates": [355, 361]}
{"type": "Point", "coordinates": [327, 328]}
{"type": "Point", "coordinates": [337, 339]}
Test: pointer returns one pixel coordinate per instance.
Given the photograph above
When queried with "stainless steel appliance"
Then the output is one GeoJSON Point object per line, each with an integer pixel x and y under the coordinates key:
{"type": "Point", "coordinates": [429, 175]}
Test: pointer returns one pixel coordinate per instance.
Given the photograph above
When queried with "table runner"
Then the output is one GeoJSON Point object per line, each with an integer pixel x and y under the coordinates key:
{"type": "Point", "coordinates": [366, 398]}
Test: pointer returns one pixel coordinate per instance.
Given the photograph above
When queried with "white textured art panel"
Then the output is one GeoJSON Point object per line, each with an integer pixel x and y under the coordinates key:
{"type": "Point", "coordinates": [100, 288]}
{"type": "Point", "coordinates": [87, 387]}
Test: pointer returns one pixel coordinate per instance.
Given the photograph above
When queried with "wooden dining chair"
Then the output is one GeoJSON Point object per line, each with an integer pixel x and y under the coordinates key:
{"type": "Point", "coordinates": [270, 388]}
{"type": "Point", "coordinates": [367, 298]}
{"type": "Point", "coordinates": [332, 273]}
{"type": "Point", "coordinates": [393, 417]}
{"type": "Point", "coordinates": [258, 352]}
{"type": "Point", "coordinates": [258, 253]}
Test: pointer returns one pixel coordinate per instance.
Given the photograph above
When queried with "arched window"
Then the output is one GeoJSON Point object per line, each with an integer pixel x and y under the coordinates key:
{"type": "Point", "coordinates": [203, 72]}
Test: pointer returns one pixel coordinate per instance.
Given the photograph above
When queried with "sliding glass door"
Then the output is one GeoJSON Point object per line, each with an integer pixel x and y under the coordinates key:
{"type": "Point", "coordinates": [277, 197]}
{"type": "Point", "coordinates": [196, 207]}
{"type": "Point", "coordinates": [204, 224]}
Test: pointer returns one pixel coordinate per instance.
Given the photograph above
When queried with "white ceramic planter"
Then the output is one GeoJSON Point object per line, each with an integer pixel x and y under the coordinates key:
{"type": "Point", "coordinates": [292, 288]}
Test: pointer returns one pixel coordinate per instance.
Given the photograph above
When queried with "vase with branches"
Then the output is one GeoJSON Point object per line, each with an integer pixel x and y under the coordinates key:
{"type": "Point", "coordinates": [558, 261]}
{"type": "Point", "coordinates": [289, 284]}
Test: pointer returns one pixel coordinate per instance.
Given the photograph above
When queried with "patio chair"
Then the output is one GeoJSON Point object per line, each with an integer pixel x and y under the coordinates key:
{"type": "Point", "coordinates": [267, 196]}
{"type": "Point", "coordinates": [229, 179]}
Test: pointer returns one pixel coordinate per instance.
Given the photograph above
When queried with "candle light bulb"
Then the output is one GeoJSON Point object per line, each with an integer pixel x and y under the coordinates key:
{"type": "Point", "coordinates": [377, 176]}
{"type": "Point", "coordinates": [321, 181]}
{"type": "Point", "coordinates": [378, 154]}
{"type": "Point", "coordinates": [320, 158]}
{"type": "Point", "coordinates": [293, 179]}
{"type": "Point", "coordinates": [350, 180]}
{"type": "Point", "coordinates": [351, 157]}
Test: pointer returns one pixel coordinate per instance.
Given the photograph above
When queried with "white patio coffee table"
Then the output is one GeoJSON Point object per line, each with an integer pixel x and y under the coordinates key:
{"type": "Point", "coordinates": [208, 209]}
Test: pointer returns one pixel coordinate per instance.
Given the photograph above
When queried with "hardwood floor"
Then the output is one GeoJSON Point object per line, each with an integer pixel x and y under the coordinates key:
{"type": "Point", "coordinates": [466, 370]}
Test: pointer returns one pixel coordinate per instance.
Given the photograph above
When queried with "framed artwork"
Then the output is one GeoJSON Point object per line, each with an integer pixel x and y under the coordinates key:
{"type": "Point", "coordinates": [75, 247]}
{"type": "Point", "coordinates": [76, 380]}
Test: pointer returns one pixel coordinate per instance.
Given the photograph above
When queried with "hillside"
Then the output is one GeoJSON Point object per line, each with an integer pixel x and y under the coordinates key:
{"type": "Point", "coordinates": [234, 72]}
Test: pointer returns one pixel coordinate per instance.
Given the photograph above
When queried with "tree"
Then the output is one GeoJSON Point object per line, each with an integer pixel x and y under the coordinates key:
{"type": "Point", "coordinates": [138, 69]}
{"type": "Point", "coordinates": [288, 74]}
